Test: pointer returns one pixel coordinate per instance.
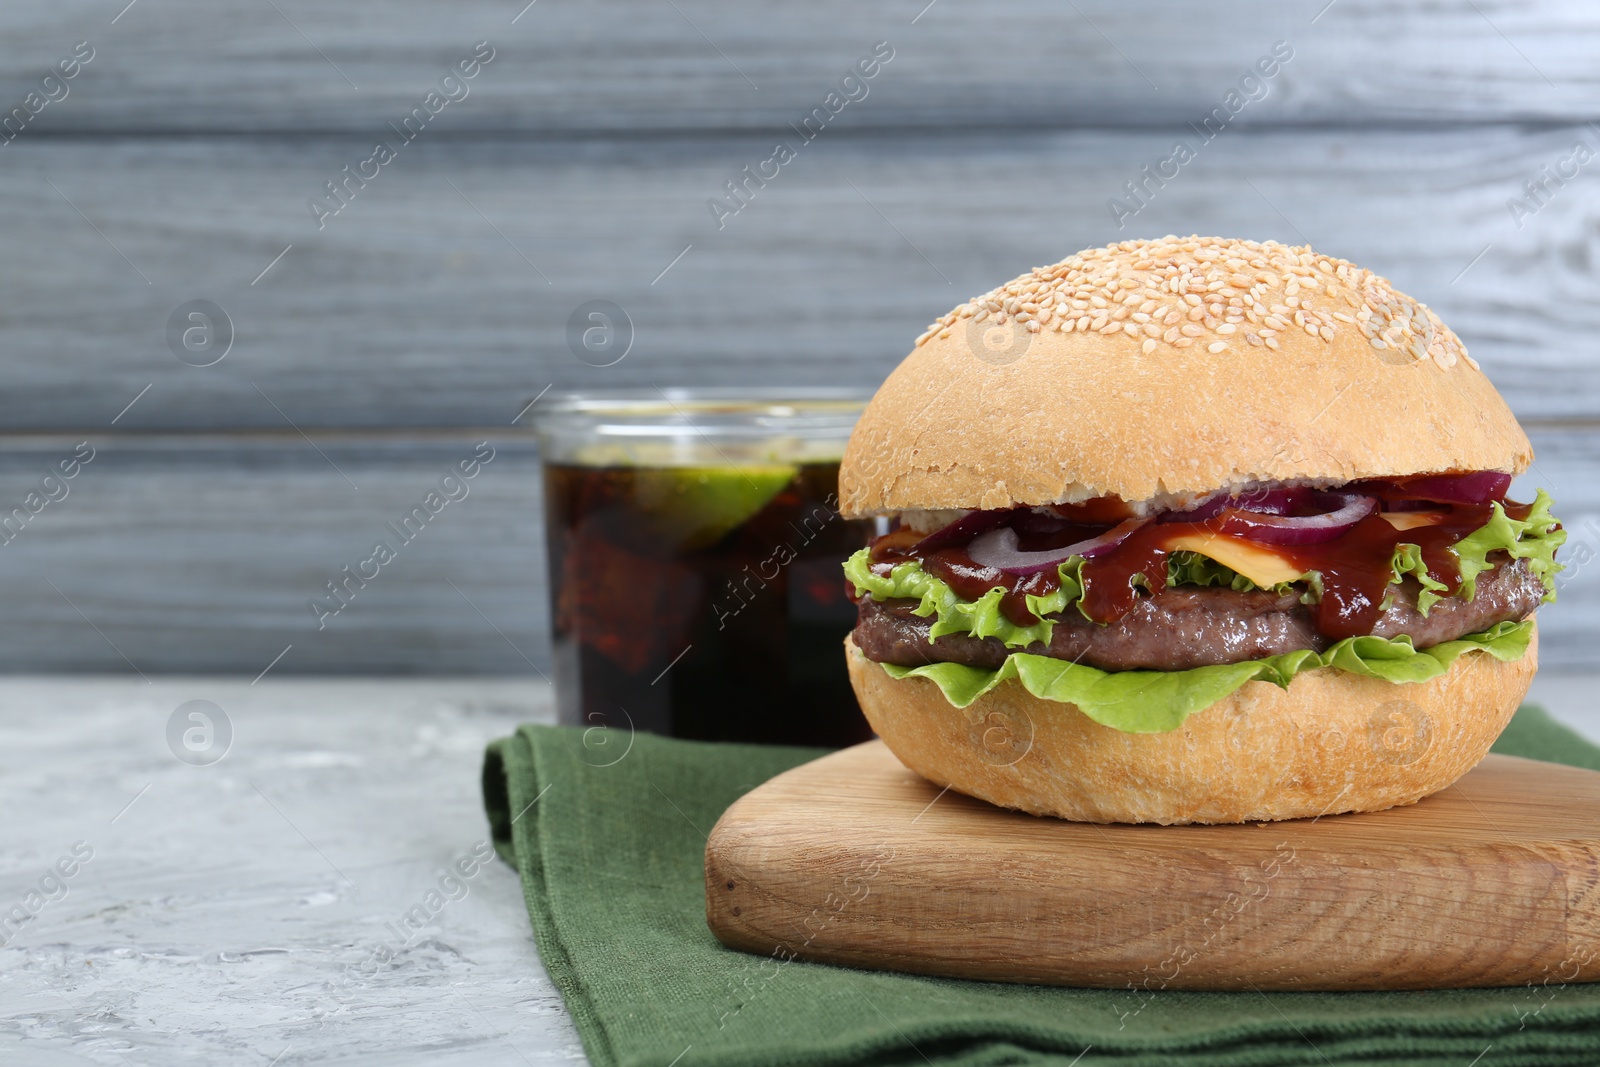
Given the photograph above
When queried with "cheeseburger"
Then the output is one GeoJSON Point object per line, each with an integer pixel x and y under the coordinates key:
{"type": "Point", "coordinates": [1193, 531]}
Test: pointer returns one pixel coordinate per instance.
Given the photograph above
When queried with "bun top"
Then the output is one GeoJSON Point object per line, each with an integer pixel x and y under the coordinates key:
{"type": "Point", "coordinates": [1173, 368]}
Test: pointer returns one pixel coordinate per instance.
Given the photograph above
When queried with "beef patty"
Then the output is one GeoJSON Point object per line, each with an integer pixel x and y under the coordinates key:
{"type": "Point", "coordinates": [1183, 627]}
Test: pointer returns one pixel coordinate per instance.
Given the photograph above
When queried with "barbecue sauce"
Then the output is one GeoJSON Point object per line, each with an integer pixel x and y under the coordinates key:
{"type": "Point", "coordinates": [1356, 567]}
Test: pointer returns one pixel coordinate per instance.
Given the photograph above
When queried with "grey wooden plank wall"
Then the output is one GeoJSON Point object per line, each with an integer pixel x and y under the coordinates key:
{"type": "Point", "coordinates": [177, 164]}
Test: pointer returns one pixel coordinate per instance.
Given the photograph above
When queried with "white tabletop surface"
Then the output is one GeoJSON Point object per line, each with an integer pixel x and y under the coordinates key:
{"type": "Point", "coordinates": [230, 913]}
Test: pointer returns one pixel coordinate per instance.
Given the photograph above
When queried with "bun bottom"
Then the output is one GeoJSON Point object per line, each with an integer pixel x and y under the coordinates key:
{"type": "Point", "coordinates": [1332, 742]}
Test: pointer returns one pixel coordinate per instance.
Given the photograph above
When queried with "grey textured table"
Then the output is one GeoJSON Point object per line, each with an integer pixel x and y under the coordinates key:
{"type": "Point", "coordinates": [234, 913]}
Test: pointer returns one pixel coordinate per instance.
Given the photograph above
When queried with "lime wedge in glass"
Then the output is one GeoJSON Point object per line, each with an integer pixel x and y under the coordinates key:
{"type": "Point", "coordinates": [691, 508]}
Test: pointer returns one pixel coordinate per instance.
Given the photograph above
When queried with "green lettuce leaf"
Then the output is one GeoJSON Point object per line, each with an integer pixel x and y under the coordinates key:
{"type": "Point", "coordinates": [981, 617]}
{"type": "Point", "coordinates": [1408, 562]}
{"type": "Point", "coordinates": [1145, 702]}
{"type": "Point", "coordinates": [1534, 539]}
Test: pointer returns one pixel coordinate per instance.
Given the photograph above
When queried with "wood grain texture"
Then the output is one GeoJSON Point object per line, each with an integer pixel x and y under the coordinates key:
{"type": "Point", "coordinates": [854, 860]}
{"type": "Point", "coordinates": [176, 554]}
{"type": "Point", "coordinates": [189, 65]}
{"type": "Point", "coordinates": [413, 309]}
{"type": "Point", "coordinates": [232, 913]}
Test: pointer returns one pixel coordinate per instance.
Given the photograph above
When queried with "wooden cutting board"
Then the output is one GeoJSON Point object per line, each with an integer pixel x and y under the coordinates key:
{"type": "Point", "coordinates": [853, 859]}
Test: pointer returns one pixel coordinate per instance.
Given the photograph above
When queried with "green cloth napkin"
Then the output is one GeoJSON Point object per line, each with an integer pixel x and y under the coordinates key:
{"type": "Point", "coordinates": [609, 836]}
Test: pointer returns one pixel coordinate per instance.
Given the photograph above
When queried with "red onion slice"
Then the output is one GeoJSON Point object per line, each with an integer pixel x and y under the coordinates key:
{"type": "Point", "coordinates": [998, 549]}
{"type": "Point", "coordinates": [1263, 501]}
{"type": "Point", "coordinates": [962, 530]}
{"type": "Point", "coordinates": [1478, 487]}
{"type": "Point", "coordinates": [1347, 510]}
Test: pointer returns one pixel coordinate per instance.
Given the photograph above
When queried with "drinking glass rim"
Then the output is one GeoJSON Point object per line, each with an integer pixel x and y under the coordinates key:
{"type": "Point", "coordinates": [677, 405]}
{"type": "Point", "coordinates": [721, 412]}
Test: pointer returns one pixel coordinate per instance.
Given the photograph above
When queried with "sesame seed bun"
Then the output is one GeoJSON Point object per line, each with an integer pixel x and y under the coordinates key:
{"type": "Point", "coordinates": [1173, 368]}
{"type": "Point", "coordinates": [1332, 742]}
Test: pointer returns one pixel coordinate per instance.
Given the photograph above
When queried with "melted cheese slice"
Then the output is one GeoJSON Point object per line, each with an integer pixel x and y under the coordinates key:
{"type": "Point", "coordinates": [1257, 562]}
{"type": "Point", "coordinates": [1410, 520]}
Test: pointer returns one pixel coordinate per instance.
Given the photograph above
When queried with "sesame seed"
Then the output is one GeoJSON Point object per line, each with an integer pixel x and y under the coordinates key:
{"type": "Point", "coordinates": [1130, 287]}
